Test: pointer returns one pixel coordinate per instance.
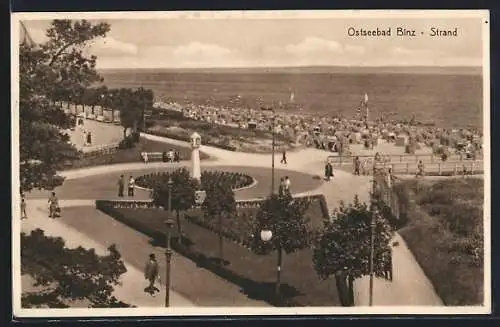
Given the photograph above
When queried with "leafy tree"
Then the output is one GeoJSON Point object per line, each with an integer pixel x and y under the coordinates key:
{"type": "Point", "coordinates": [145, 99]}
{"type": "Point", "coordinates": [285, 217]}
{"type": "Point", "coordinates": [55, 71]}
{"type": "Point", "coordinates": [132, 105]}
{"type": "Point", "coordinates": [219, 203]}
{"type": "Point", "coordinates": [342, 249]}
{"type": "Point", "coordinates": [69, 274]}
{"type": "Point", "coordinates": [93, 97]}
{"type": "Point", "coordinates": [183, 188]}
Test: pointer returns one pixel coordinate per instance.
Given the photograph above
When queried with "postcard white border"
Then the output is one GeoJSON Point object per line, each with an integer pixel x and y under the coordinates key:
{"type": "Point", "coordinates": [19, 312]}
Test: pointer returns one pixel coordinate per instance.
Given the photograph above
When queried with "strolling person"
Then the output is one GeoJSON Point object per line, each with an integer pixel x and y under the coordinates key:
{"type": "Point", "coordinates": [23, 206]}
{"type": "Point", "coordinates": [89, 138]}
{"type": "Point", "coordinates": [388, 265]}
{"type": "Point", "coordinates": [53, 205]}
{"type": "Point", "coordinates": [170, 155]}
{"type": "Point", "coordinates": [357, 164]}
{"type": "Point", "coordinates": [283, 158]}
{"type": "Point", "coordinates": [420, 169]}
{"type": "Point", "coordinates": [281, 189]}
{"type": "Point", "coordinates": [121, 186]}
{"type": "Point", "coordinates": [131, 186]}
{"type": "Point", "coordinates": [151, 273]}
{"type": "Point", "coordinates": [287, 184]}
{"type": "Point", "coordinates": [389, 177]}
{"type": "Point", "coordinates": [328, 171]}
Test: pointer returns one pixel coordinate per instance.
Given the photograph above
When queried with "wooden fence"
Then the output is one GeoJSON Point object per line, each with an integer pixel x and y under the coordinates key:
{"type": "Point", "coordinates": [437, 169]}
{"type": "Point", "coordinates": [341, 160]}
{"type": "Point", "coordinates": [392, 205]}
{"type": "Point", "coordinates": [99, 150]}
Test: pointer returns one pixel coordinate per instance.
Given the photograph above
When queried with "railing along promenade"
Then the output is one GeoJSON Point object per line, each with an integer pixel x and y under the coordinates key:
{"type": "Point", "coordinates": [408, 164]}
{"type": "Point", "coordinates": [98, 150]}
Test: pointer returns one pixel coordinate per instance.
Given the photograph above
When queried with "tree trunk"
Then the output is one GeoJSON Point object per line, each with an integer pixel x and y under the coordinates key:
{"type": "Point", "coordinates": [350, 289]}
{"type": "Point", "coordinates": [124, 132]}
{"type": "Point", "coordinates": [221, 241]}
{"type": "Point", "coordinates": [92, 109]}
{"type": "Point", "coordinates": [179, 227]}
{"type": "Point", "coordinates": [342, 288]}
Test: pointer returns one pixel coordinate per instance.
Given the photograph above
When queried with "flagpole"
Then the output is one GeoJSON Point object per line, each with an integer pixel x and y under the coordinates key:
{"type": "Point", "coordinates": [366, 107]}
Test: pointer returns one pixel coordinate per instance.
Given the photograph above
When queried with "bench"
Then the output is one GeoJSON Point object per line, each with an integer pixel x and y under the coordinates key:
{"type": "Point", "coordinates": [157, 156]}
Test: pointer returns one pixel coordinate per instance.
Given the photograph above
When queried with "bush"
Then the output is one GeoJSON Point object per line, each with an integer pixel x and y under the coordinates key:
{"type": "Point", "coordinates": [127, 143]}
{"type": "Point", "coordinates": [442, 197]}
{"type": "Point", "coordinates": [135, 136]}
{"type": "Point", "coordinates": [461, 218]}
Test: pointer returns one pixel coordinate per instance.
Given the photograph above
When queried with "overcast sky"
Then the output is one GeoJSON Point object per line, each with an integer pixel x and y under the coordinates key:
{"type": "Point", "coordinates": [186, 43]}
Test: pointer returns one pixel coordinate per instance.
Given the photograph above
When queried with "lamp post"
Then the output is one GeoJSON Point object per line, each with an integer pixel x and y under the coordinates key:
{"type": "Point", "coordinates": [273, 144]}
{"type": "Point", "coordinates": [266, 235]}
{"type": "Point", "coordinates": [169, 223]}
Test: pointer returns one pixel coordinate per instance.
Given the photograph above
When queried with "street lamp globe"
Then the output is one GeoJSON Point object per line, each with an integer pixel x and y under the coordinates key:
{"type": "Point", "coordinates": [266, 235]}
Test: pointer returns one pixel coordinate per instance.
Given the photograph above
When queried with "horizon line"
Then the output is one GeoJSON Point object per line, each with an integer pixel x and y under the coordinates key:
{"type": "Point", "coordinates": [304, 66]}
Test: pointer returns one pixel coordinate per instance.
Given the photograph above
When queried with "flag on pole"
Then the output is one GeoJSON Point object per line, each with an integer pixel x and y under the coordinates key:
{"type": "Point", "coordinates": [25, 36]}
{"type": "Point", "coordinates": [366, 106]}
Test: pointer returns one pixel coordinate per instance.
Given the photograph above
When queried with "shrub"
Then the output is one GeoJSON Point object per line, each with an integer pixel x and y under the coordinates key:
{"type": "Point", "coordinates": [461, 217]}
{"type": "Point", "coordinates": [126, 143]}
{"type": "Point", "coordinates": [135, 136]}
{"type": "Point", "coordinates": [442, 197]}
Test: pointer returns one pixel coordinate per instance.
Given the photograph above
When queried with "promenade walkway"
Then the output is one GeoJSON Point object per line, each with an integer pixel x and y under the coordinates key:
{"type": "Point", "coordinates": [410, 286]}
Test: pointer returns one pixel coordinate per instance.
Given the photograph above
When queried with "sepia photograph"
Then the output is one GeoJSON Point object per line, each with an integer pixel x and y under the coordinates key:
{"type": "Point", "coordinates": [250, 163]}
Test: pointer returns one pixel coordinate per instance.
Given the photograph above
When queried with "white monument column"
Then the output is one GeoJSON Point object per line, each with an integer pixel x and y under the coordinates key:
{"type": "Point", "coordinates": [195, 156]}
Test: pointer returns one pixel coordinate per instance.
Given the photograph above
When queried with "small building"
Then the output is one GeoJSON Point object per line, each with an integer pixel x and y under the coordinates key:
{"type": "Point", "coordinates": [252, 125]}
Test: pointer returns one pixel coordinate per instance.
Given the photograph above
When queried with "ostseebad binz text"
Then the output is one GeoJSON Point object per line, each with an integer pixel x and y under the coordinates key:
{"type": "Point", "coordinates": [379, 32]}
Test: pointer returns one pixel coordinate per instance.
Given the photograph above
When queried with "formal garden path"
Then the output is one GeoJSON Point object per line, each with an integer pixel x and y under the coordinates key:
{"type": "Point", "coordinates": [92, 228]}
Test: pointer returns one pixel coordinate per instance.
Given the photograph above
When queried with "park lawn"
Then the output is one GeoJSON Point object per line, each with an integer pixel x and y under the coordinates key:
{"type": "Point", "coordinates": [255, 274]}
{"type": "Point", "coordinates": [445, 233]}
{"type": "Point", "coordinates": [133, 154]}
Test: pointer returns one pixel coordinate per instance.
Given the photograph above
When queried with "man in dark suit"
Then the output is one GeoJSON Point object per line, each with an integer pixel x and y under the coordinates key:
{"type": "Point", "coordinates": [151, 273]}
{"type": "Point", "coordinates": [121, 186]}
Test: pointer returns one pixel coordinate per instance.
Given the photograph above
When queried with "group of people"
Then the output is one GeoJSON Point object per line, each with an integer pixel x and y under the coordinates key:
{"type": "Point", "coordinates": [130, 186]}
{"type": "Point", "coordinates": [54, 209]}
{"type": "Point", "coordinates": [170, 156]}
{"type": "Point", "coordinates": [293, 123]}
{"type": "Point", "coordinates": [285, 184]}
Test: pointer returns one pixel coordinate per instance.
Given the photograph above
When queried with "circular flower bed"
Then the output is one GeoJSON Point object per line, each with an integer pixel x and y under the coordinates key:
{"type": "Point", "coordinates": [236, 180]}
